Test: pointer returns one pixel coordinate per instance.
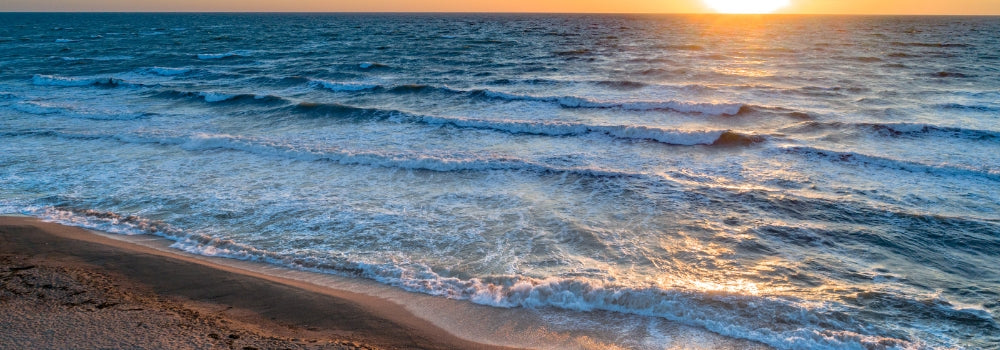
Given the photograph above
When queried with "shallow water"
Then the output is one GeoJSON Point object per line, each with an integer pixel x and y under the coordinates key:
{"type": "Point", "coordinates": [804, 182]}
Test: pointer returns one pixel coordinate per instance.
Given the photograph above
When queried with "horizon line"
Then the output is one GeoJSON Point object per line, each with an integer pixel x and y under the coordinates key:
{"type": "Point", "coordinates": [511, 13]}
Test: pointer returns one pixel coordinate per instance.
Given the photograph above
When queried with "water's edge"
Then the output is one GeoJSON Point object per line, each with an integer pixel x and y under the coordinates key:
{"type": "Point", "coordinates": [513, 327]}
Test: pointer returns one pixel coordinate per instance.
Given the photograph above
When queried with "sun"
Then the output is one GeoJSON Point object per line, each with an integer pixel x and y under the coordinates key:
{"type": "Point", "coordinates": [746, 6]}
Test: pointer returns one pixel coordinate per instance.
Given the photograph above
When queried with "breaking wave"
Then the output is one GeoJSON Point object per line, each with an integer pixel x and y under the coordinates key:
{"type": "Point", "coordinates": [166, 71]}
{"type": "Point", "coordinates": [215, 97]}
{"type": "Point", "coordinates": [562, 101]}
{"type": "Point", "coordinates": [54, 80]}
{"type": "Point", "coordinates": [782, 322]}
{"type": "Point", "coordinates": [667, 136]}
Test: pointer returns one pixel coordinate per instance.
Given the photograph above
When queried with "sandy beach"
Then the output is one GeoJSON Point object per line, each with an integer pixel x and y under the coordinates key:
{"type": "Point", "coordinates": [66, 287]}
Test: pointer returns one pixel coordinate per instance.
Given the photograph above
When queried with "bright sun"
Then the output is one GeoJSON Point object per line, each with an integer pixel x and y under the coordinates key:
{"type": "Point", "coordinates": [746, 6]}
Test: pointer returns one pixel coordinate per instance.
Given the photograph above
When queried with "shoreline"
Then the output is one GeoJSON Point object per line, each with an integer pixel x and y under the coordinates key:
{"type": "Point", "coordinates": [217, 304]}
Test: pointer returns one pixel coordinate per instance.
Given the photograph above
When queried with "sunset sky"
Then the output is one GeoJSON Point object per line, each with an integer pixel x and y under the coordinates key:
{"type": "Point", "coordinates": [955, 7]}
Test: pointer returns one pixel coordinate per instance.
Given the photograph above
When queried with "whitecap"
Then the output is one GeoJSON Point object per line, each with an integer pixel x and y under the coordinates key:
{"type": "Point", "coordinates": [338, 86]}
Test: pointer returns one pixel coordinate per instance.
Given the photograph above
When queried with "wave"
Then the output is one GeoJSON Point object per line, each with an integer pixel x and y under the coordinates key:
{"type": "Point", "coordinates": [35, 108]}
{"type": "Point", "coordinates": [896, 164]}
{"type": "Point", "coordinates": [54, 80]}
{"type": "Point", "coordinates": [531, 81]}
{"type": "Point", "coordinates": [165, 71]}
{"type": "Point", "coordinates": [218, 56]}
{"type": "Point", "coordinates": [581, 102]}
{"type": "Point", "coordinates": [107, 221]}
{"type": "Point", "coordinates": [667, 136]}
{"type": "Point", "coordinates": [621, 84]}
{"type": "Point", "coordinates": [282, 149]}
{"type": "Point", "coordinates": [562, 101]}
{"type": "Point", "coordinates": [421, 88]}
{"type": "Point", "coordinates": [349, 87]}
{"type": "Point", "coordinates": [371, 65]}
{"type": "Point", "coordinates": [782, 322]}
{"type": "Point", "coordinates": [671, 137]}
{"type": "Point", "coordinates": [215, 97]}
{"type": "Point", "coordinates": [397, 89]}
{"type": "Point", "coordinates": [344, 111]}
{"type": "Point", "coordinates": [220, 97]}
{"type": "Point", "coordinates": [898, 129]}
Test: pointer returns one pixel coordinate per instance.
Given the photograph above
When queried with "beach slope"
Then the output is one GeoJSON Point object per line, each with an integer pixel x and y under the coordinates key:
{"type": "Point", "coordinates": [66, 287]}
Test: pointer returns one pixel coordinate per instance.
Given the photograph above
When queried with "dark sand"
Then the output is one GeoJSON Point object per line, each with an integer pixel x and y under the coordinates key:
{"type": "Point", "coordinates": [65, 287]}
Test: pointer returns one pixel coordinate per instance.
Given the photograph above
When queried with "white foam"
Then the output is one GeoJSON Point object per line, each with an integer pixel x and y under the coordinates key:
{"type": "Point", "coordinates": [53, 80]}
{"type": "Point", "coordinates": [8, 207]}
{"type": "Point", "coordinates": [581, 102]}
{"type": "Point", "coordinates": [346, 87]}
{"type": "Point", "coordinates": [782, 323]}
{"type": "Point", "coordinates": [668, 136]}
{"type": "Point", "coordinates": [108, 223]}
{"type": "Point", "coordinates": [65, 41]}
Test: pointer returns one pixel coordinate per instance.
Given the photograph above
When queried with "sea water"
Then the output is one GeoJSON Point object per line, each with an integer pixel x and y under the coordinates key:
{"type": "Point", "coordinates": [796, 181]}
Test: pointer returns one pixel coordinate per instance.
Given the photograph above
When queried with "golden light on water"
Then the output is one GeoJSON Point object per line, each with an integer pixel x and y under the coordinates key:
{"type": "Point", "coordinates": [746, 6]}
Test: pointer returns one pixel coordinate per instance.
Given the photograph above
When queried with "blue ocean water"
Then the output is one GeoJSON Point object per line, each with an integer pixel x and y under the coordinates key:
{"type": "Point", "coordinates": [797, 181]}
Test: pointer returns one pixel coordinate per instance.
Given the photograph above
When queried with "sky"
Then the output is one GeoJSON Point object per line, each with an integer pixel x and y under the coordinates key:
{"type": "Point", "coordinates": [934, 7]}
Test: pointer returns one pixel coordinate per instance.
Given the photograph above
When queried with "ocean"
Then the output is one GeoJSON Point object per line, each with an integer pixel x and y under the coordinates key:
{"type": "Point", "coordinates": [789, 181]}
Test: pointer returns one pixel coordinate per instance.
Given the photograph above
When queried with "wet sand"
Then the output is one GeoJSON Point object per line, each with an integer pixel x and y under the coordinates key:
{"type": "Point", "coordinates": [66, 287]}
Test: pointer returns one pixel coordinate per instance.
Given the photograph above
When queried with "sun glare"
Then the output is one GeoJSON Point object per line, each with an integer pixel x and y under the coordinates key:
{"type": "Point", "coordinates": [746, 6]}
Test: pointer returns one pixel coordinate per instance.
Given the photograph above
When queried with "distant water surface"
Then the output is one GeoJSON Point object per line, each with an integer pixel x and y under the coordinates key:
{"type": "Point", "coordinates": [802, 182]}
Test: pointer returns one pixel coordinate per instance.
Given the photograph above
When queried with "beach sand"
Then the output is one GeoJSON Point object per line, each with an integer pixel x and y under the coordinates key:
{"type": "Point", "coordinates": [66, 287]}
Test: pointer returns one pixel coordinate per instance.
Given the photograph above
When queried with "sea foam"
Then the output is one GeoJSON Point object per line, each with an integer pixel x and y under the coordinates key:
{"type": "Point", "coordinates": [53, 80]}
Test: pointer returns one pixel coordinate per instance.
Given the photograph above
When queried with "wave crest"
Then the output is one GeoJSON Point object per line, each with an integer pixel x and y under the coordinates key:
{"type": "Point", "coordinates": [581, 102]}
{"type": "Point", "coordinates": [667, 136]}
{"type": "Point", "coordinates": [166, 71]}
{"type": "Point", "coordinates": [706, 108]}
{"type": "Point", "coordinates": [54, 80]}
{"type": "Point", "coordinates": [216, 97]}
